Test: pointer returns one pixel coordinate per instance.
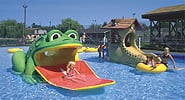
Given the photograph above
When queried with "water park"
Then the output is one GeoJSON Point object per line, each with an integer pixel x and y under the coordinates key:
{"type": "Point", "coordinates": [60, 65]}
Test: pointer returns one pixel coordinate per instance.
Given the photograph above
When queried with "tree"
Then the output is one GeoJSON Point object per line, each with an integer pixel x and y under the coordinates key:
{"type": "Point", "coordinates": [10, 28]}
{"type": "Point", "coordinates": [34, 25]}
{"type": "Point", "coordinates": [95, 27]}
{"type": "Point", "coordinates": [145, 26]}
{"type": "Point", "coordinates": [48, 28]}
{"type": "Point", "coordinates": [105, 23]}
{"type": "Point", "coordinates": [69, 23]}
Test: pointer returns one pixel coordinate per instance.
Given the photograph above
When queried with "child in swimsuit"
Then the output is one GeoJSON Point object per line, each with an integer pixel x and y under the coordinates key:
{"type": "Point", "coordinates": [100, 50]}
{"type": "Point", "coordinates": [72, 73]}
{"type": "Point", "coordinates": [71, 70]}
{"type": "Point", "coordinates": [150, 61]}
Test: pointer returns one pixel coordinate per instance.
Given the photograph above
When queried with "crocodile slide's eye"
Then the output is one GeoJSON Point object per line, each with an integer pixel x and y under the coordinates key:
{"type": "Point", "coordinates": [54, 36]}
{"type": "Point", "coordinates": [72, 35]}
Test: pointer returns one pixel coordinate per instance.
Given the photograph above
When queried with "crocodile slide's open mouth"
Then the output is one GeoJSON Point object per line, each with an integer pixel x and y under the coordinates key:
{"type": "Point", "coordinates": [56, 56]}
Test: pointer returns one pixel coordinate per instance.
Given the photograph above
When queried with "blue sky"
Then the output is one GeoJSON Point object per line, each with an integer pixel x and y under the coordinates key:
{"type": "Point", "coordinates": [83, 11]}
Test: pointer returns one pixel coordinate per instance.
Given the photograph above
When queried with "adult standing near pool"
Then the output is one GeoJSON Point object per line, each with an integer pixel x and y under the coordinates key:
{"type": "Point", "coordinates": [165, 56]}
{"type": "Point", "coordinates": [83, 37]}
{"type": "Point", "coordinates": [100, 50]}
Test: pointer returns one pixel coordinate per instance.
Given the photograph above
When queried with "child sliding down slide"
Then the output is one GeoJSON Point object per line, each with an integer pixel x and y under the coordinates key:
{"type": "Point", "coordinates": [72, 73]}
{"type": "Point", "coordinates": [53, 75]}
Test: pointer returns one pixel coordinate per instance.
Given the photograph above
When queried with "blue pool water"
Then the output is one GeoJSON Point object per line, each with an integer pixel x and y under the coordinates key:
{"type": "Point", "coordinates": [131, 84]}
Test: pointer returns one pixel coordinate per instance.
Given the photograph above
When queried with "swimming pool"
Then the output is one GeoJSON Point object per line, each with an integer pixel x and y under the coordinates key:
{"type": "Point", "coordinates": [131, 84]}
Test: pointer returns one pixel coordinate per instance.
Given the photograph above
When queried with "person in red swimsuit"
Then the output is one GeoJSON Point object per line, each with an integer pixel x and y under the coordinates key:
{"type": "Point", "coordinates": [100, 50]}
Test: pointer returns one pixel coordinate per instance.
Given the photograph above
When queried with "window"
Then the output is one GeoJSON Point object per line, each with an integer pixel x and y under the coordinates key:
{"type": "Point", "coordinates": [115, 37]}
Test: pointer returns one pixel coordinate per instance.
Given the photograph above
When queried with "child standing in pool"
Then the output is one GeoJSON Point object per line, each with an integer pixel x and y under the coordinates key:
{"type": "Point", "coordinates": [165, 56]}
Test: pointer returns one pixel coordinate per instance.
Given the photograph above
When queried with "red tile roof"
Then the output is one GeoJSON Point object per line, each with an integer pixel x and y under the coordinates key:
{"type": "Point", "coordinates": [122, 23]}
